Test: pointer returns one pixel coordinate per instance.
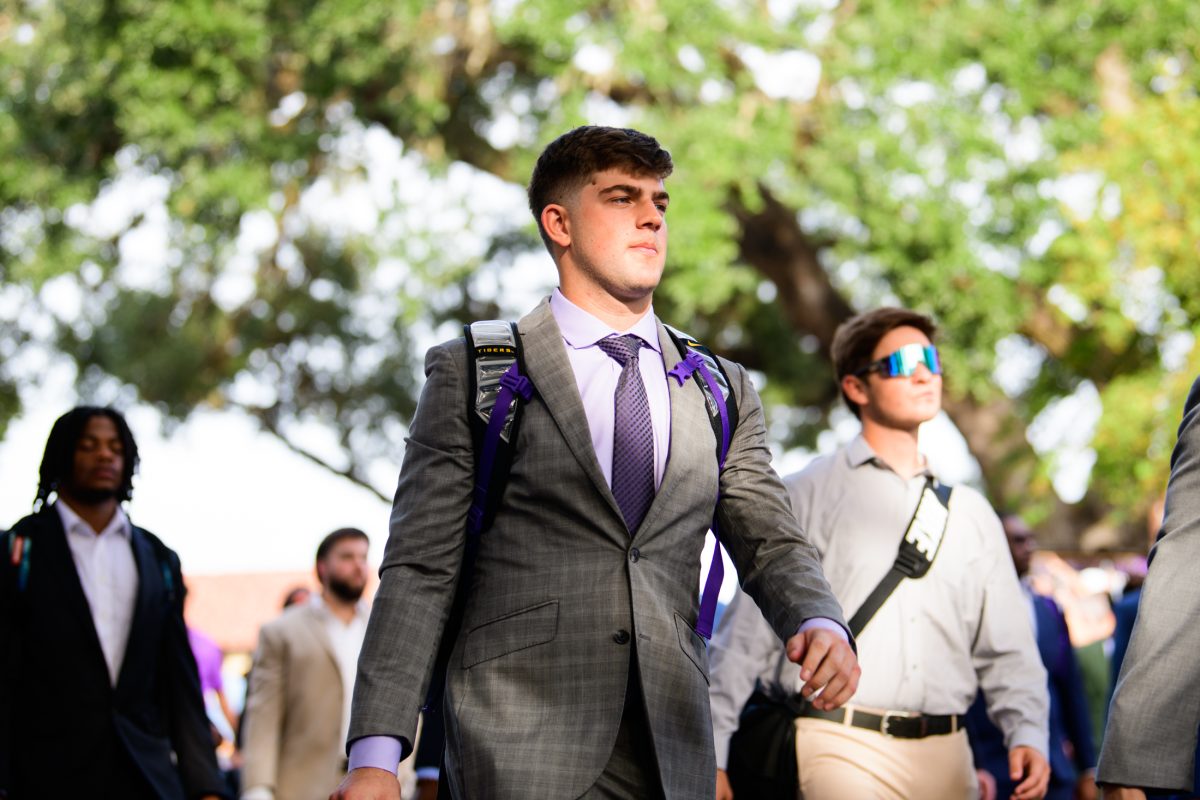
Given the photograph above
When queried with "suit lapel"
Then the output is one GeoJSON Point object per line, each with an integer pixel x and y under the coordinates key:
{"type": "Point", "coordinates": [319, 626]}
{"type": "Point", "coordinates": [550, 370]}
{"type": "Point", "coordinates": [151, 590]}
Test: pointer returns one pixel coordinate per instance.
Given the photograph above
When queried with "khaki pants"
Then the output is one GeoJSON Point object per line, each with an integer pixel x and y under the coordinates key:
{"type": "Point", "coordinates": [840, 762]}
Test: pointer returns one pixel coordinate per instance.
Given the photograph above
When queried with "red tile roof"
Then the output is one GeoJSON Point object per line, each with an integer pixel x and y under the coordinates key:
{"type": "Point", "coordinates": [231, 608]}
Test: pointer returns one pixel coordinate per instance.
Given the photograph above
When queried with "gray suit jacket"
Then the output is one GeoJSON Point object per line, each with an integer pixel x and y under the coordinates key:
{"type": "Point", "coordinates": [538, 674]}
{"type": "Point", "coordinates": [294, 709]}
{"type": "Point", "coordinates": [1150, 740]}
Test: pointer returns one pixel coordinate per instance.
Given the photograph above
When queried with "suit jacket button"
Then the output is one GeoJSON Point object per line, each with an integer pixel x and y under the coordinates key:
{"type": "Point", "coordinates": [621, 636]}
{"type": "Point", "coordinates": [634, 555]}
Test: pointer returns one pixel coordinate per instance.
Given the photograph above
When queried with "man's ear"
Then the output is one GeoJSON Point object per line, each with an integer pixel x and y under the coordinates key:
{"type": "Point", "coordinates": [856, 389]}
{"type": "Point", "coordinates": [557, 224]}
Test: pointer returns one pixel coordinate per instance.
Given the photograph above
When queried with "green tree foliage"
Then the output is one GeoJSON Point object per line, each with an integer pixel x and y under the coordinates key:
{"type": "Point", "coordinates": [322, 187]}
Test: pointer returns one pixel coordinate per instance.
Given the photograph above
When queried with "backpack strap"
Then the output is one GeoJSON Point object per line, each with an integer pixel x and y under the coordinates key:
{"type": "Point", "coordinates": [497, 390]}
{"type": "Point", "coordinates": [495, 377]}
{"type": "Point", "coordinates": [19, 549]}
{"type": "Point", "coordinates": [721, 404]}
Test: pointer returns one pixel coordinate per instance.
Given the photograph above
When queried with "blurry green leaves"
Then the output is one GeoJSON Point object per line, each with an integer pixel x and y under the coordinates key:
{"type": "Point", "coordinates": [1024, 171]}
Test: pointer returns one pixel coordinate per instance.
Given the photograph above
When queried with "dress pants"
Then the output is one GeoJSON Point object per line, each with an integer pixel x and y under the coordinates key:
{"type": "Point", "coordinates": [840, 762]}
{"type": "Point", "coordinates": [632, 770]}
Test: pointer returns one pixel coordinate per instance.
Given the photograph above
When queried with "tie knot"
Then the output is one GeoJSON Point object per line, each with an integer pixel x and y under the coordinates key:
{"type": "Point", "coordinates": [621, 348]}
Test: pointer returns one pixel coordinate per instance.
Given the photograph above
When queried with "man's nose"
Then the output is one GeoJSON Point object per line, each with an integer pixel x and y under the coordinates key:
{"type": "Point", "coordinates": [649, 215]}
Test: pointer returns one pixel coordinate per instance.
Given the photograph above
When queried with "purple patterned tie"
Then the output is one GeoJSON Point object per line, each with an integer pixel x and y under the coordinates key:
{"type": "Point", "coordinates": [633, 433]}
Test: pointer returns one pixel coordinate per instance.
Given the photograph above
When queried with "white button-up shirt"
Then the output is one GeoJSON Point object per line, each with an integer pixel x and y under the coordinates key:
{"type": "Point", "coordinates": [109, 577]}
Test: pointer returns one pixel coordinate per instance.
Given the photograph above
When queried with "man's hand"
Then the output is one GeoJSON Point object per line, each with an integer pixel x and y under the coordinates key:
{"type": "Point", "coordinates": [1085, 787]}
{"type": "Point", "coordinates": [724, 790]}
{"type": "Point", "coordinates": [367, 783]}
{"type": "Point", "coordinates": [1027, 763]}
{"type": "Point", "coordinates": [427, 789]}
{"type": "Point", "coordinates": [987, 785]}
{"type": "Point", "coordinates": [826, 663]}
{"type": "Point", "coordinates": [1122, 793]}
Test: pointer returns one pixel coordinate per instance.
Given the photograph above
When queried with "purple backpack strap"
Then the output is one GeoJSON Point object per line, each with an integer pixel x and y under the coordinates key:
{"type": "Point", "coordinates": [722, 409]}
{"type": "Point", "coordinates": [512, 385]}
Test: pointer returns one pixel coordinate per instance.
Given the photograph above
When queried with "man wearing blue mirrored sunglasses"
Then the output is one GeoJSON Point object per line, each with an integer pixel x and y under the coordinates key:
{"type": "Point", "coordinates": [934, 637]}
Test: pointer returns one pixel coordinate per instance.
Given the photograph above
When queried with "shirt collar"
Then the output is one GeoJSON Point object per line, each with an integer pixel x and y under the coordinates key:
{"type": "Point", "coordinates": [361, 610]}
{"type": "Point", "coordinates": [581, 329]}
{"type": "Point", "coordinates": [73, 523]}
{"type": "Point", "coordinates": [858, 452]}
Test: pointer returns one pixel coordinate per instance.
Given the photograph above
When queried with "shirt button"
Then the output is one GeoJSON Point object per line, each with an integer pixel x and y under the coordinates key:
{"type": "Point", "coordinates": [634, 555]}
{"type": "Point", "coordinates": [621, 636]}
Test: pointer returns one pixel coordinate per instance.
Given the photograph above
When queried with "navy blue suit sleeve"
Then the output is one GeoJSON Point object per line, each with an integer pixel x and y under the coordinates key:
{"type": "Point", "coordinates": [1068, 679]}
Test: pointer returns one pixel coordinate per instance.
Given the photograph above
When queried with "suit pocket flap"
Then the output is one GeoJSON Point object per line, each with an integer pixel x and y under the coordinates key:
{"type": "Point", "coordinates": [516, 631]}
{"type": "Point", "coordinates": [693, 645]}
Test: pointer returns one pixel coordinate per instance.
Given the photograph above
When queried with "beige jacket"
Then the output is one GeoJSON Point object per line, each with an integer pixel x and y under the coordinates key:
{"type": "Point", "coordinates": [293, 722]}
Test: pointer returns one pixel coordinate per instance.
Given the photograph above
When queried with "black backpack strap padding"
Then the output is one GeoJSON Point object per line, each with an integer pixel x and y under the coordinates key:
{"type": "Point", "coordinates": [505, 447]}
{"type": "Point", "coordinates": [504, 451]}
{"type": "Point", "coordinates": [905, 565]}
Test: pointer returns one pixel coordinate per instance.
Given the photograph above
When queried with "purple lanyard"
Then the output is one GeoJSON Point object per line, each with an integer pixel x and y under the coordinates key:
{"type": "Point", "coordinates": [693, 363]}
{"type": "Point", "coordinates": [512, 383]}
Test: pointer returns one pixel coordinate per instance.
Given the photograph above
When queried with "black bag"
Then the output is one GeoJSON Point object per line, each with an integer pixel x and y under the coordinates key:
{"type": "Point", "coordinates": [762, 751]}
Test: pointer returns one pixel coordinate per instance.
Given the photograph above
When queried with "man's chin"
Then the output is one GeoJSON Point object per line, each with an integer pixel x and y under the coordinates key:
{"type": "Point", "coordinates": [347, 592]}
{"type": "Point", "coordinates": [91, 495]}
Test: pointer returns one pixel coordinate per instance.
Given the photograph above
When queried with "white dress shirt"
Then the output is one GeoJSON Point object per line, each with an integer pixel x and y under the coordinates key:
{"type": "Point", "coordinates": [109, 577]}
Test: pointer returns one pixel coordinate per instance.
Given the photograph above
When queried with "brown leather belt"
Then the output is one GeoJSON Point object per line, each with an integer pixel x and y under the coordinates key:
{"type": "Point", "coordinates": [898, 725]}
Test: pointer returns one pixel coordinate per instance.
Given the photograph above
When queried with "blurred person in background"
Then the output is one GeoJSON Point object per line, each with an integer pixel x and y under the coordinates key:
{"type": "Point", "coordinates": [302, 680]}
{"type": "Point", "coordinates": [1072, 749]}
{"type": "Point", "coordinates": [935, 640]}
{"type": "Point", "coordinates": [297, 595]}
{"type": "Point", "coordinates": [101, 696]}
{"type": "Point", "coordinates": [1150, 744]}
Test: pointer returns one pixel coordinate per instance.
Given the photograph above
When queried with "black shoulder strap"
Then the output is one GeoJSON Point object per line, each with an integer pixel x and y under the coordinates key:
{"type": "Point", "coordinates": [921, 543]}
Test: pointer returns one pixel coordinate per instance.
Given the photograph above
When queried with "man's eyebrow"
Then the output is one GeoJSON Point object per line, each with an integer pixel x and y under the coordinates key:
{"type": "Point", "coordinates": [633, 191]}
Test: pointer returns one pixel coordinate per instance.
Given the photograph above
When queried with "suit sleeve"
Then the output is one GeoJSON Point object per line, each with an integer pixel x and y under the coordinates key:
{"type": "Point", "coordinates": [264, 712]}
{"type": "Point", "coordinates": [190, 735]}
{"type": "Point", "coordinates": [777, 565]}
{"type": "Point", "coordinates": [743, 651]}
{"type": "Point", "coordinates": [1068, 680]}
{"type": "Point", "coordinates": [422, 559]}
{"type": "Point", "coordinates": [1150, 738]}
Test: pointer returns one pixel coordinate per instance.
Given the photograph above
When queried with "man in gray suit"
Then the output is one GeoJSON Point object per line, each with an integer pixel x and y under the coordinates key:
{"type": "Point", "coordinates": [1150, 741]}
{"type": "Point", "coordinates": [577, 671]}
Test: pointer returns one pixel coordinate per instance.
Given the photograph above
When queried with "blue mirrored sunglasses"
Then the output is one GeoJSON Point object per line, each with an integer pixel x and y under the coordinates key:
{"type": "Point", "coordinates": [904, 361]}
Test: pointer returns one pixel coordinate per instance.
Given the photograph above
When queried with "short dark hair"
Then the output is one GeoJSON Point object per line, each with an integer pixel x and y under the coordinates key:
{"type": "Point", "coordinates": [570, 161]}
{"type": "Point", "coordinates": [59, 458]}
{"type": "Point", "coordinates": [332, 539]}
{"type": "Point", "coordinates": [856, 338]}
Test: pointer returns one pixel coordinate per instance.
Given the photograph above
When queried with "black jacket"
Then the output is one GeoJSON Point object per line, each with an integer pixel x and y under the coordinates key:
{"type": "Point", "coordinates": [63, 726]}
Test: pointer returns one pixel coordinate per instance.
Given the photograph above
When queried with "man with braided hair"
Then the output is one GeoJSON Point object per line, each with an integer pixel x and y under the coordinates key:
{"type": "Point", "coordinates": [101, 697]}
